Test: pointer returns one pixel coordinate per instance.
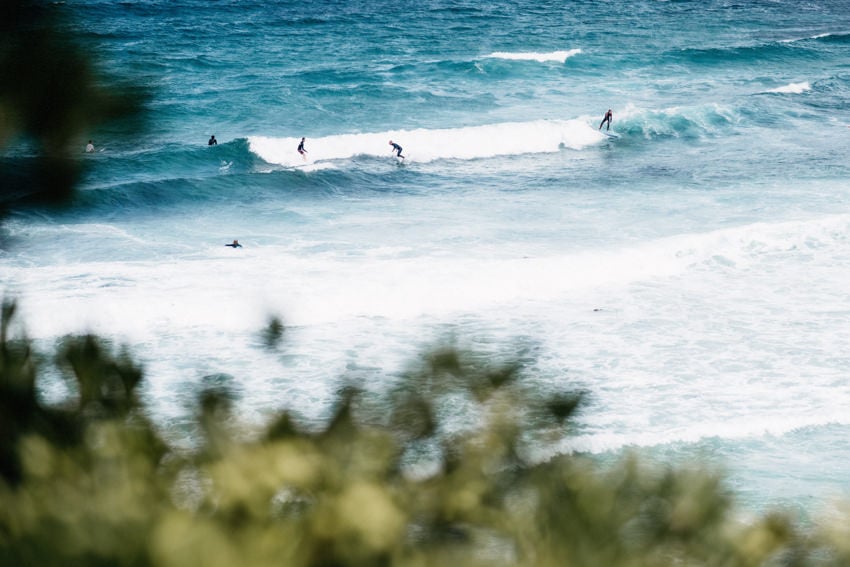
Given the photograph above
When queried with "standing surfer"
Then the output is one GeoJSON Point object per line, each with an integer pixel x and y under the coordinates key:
{"type": "Point", "coordinates": [609, 116]}
{"type": "Point", "coordinates": [396, 148]}
{"type": "Point", "coordinates": [301, 149]}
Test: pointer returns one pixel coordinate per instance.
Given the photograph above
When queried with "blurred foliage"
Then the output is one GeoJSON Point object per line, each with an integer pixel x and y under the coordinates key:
{"type": "Point", "coordinates": [51, 98]}
{"type": "Point", "coordinates": [90, 481]}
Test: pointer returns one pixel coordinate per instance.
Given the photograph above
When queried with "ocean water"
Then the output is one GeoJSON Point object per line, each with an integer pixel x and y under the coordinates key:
{"type": "Point", "coordinates": [692, 274]}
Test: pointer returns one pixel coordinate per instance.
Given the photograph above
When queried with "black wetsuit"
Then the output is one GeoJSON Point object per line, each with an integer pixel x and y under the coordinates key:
{"type": "Point", "coordinates": [608, 117]}
{"type": "Point", "coordinates": [234, 245]}
{"type": "Point", "coordinates": [301, 149]}
{"type": "Point", "coordinates": [397, 148]}
{"type": "Point", "coordinates": [212, 142]}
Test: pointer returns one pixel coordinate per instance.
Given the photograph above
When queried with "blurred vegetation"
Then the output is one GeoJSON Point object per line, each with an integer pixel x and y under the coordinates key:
{"type": "Point", "coordinates": [386, 481]}
{"type": "Point", "coordinates": [52, 97]}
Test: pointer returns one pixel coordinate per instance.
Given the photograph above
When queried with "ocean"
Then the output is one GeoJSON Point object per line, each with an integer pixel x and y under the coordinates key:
{"type": "Point", "coordinates": [690, 275]}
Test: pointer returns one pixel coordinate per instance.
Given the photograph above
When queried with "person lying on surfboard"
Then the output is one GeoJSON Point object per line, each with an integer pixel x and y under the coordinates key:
{"type": "Point", "coordinates": [396, 148]}
{"type": "Point", "coordinates": [235, 244]}
{"type": "Point", "coordinates": [609, 116]}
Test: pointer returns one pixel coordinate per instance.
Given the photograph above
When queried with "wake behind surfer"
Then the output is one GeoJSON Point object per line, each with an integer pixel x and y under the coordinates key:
{"type": "Point", "coordinates": [609, 116]}
{"type": "Point", "coordinates": [397, 149]}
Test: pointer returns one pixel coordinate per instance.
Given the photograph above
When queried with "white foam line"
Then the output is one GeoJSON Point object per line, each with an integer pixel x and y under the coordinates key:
{"type": "Point", "coordinates": [424, 145]}
{"type": "Point", "coordinates": [793, 88]}
{"type": "Point", "coordinates": [735, 429]}
{"type": "Point", "coordinates": [818, 36]}
{"type": "Point", "coordinates": [560, 56]}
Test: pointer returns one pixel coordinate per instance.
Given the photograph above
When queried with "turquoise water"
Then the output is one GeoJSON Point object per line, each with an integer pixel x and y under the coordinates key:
{"type": "Point", "coordinates": [690, 274]}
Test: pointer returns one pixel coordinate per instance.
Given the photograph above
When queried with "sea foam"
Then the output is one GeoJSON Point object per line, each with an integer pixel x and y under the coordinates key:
{"type": "Point", "coordinates": [424, 145]}
{"type": "Point", "coordinates": [793, 88]}
{"type": "Point", "coordinates": [560, 56]}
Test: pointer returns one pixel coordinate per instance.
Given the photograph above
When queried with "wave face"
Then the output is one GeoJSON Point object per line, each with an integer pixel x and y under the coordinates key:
{"type": "Point", "coordinates": [689, 272]}
{"type": "Point", "coordinates": [755, 54]}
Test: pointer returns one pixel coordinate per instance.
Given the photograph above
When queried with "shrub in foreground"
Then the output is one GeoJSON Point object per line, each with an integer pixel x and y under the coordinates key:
{"type": "Point", "coordinates": [384, 482]}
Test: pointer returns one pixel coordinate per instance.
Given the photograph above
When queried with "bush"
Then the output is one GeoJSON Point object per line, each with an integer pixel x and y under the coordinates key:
{"type": "Point", "coordinates": [90, 482]}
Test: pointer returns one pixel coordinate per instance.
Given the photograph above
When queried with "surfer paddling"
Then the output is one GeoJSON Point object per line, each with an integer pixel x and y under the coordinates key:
{"type": "Point", "coordinates": [234, 244]}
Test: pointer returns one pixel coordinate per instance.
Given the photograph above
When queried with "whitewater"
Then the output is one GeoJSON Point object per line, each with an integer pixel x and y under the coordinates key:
{"type": "Point", "coordinates": [690, 275]}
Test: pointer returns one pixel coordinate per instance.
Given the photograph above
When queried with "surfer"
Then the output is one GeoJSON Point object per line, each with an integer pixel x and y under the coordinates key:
{"type": "Point", "coordinates": [213, 141]}
{"type": "Point", "coordinates": [609, 116]}
{"type": "Point", "coordinates": [89, 147]}
{"type": "Point", "coordinates": [396, 148]}
{"type": "Point", "coordinates": [301, 149]}
{"type": "Point", "coordinates": [234, 244]}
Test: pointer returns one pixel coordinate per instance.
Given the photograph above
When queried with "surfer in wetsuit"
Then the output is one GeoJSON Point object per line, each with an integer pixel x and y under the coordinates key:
{"type": "Point", "coordinates": [609, 116]}
{"type": "Point", "coordinates": [234, 244]}
{"type": "Point", "coordinates": [301, 149]}
{"type": "Point", "coordinates": [213, 141]}
{"type": "Point", "coordinates": [89, 147]}
{"type": "Point", "coordinates": [396, 148]}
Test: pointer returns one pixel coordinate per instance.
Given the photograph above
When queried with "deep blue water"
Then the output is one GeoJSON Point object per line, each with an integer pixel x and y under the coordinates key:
{"type": "Point", "coordinates": [690, 274]}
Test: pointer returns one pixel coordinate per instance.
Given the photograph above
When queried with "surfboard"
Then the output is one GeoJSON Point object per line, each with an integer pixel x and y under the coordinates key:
{"type": "Point", "coordinates": [612, 135]}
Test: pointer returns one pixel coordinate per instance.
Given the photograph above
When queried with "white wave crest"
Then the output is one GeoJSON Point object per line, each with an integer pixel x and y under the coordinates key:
{"type": "Point", "coordinates": [424, 145]}
{"type": "Point", "coordinates": [817, 36]}
{"type": "Point", "coordinates": [739, 428]}
{"type": "Point", "coordinates": [560, 56]}
{"type": "Point", "coordinates": [793, 88]}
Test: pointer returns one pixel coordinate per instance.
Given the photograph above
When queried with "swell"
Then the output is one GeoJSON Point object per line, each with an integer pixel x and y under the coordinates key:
{"type": "Point", "coordinates": [499, 63]}
{"type": "Point", "coordinates": [128, 164]}
{"type": "Point", "coordinates": [772, 52]}
{"type": "Point", "coordinates": [825, 38]}
{"type": "Point", "coordinates": [153, 197]}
